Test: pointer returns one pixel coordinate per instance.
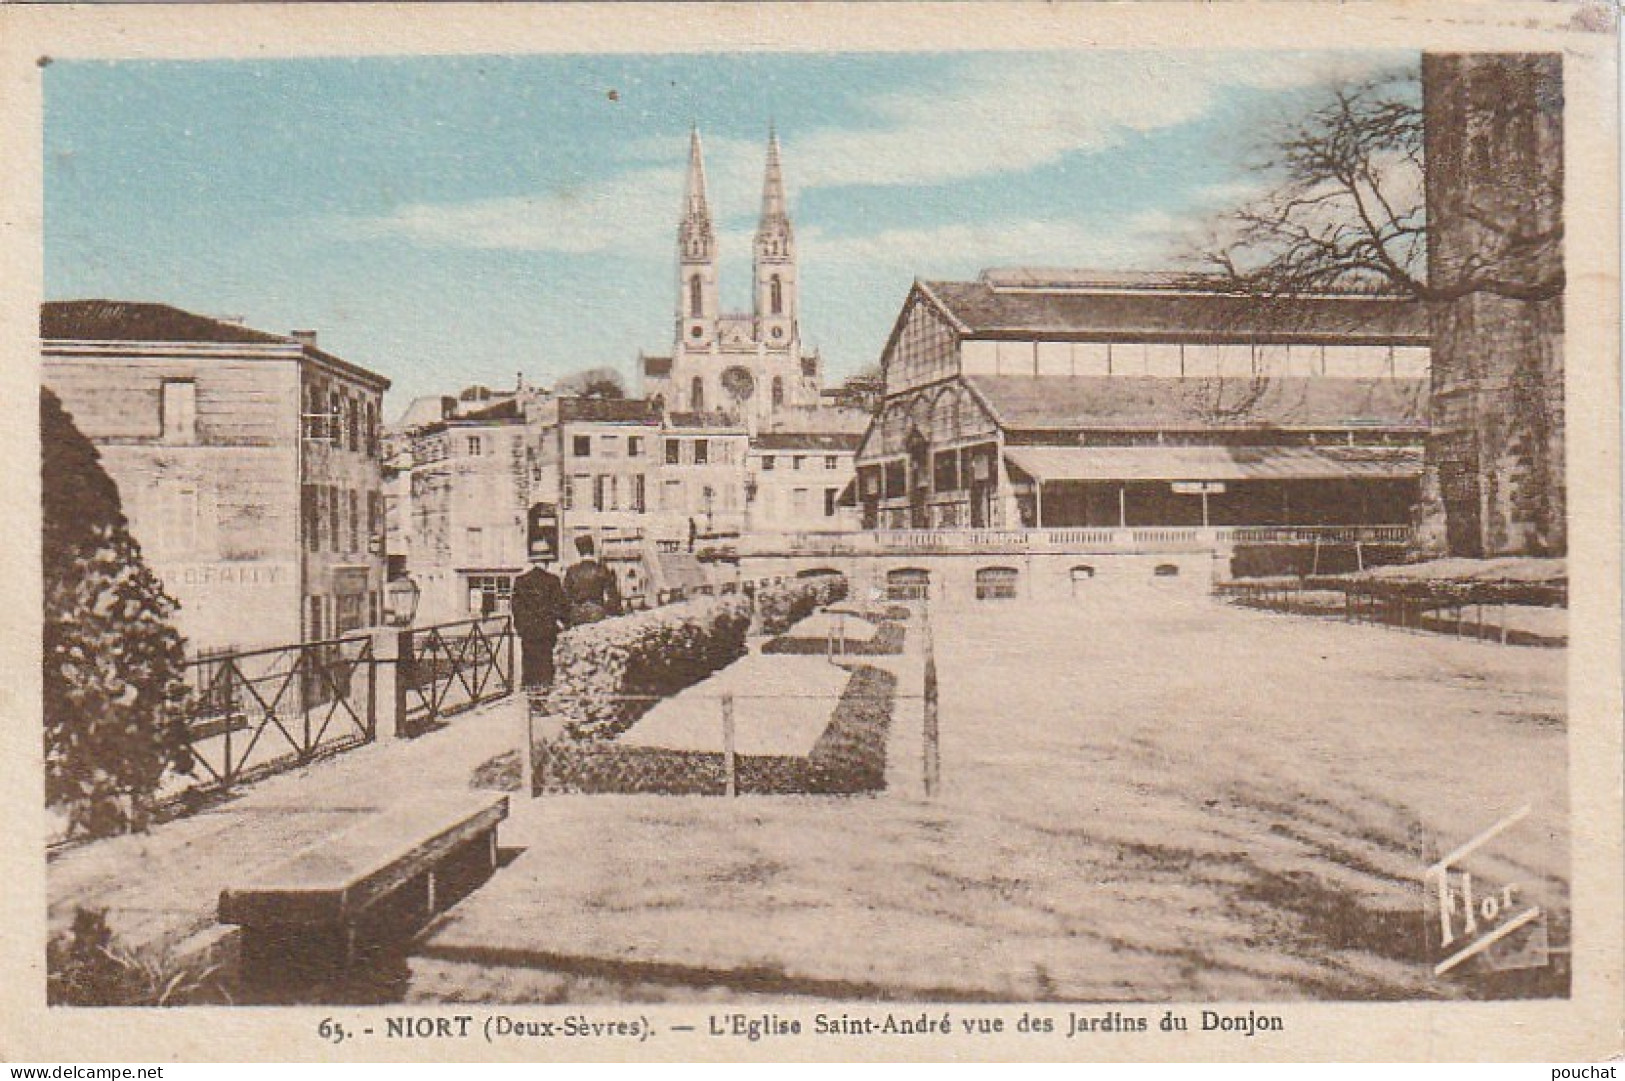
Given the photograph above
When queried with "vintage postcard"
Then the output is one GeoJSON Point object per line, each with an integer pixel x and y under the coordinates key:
{"type": "Point", "coordinates": [996, 531]}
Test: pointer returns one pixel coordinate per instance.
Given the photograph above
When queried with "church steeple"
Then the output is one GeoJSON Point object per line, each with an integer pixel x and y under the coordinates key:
{"type": "Point", "coordinates": [697, 307]}
{"type": "Point", "coordinates": [697, 237]}
{"type": "Point", "coordinates": [775, 257]}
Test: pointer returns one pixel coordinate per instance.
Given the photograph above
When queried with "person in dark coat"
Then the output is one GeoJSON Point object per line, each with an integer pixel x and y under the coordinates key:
{"type": "Point", "coordinates": [590, 587]}
{"type": "Point", "coordinates": [540, 611]}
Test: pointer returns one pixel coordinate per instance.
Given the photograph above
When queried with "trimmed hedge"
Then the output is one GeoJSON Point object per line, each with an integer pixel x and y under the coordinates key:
{"type": "Point", "coordinates": [780, 607]}
{"type": "Point", "coordinates": [887, 642]}
{"type": "Point", "coordinates": [849, 757]}
{"type": "Point", "coordinates": [608, 674]}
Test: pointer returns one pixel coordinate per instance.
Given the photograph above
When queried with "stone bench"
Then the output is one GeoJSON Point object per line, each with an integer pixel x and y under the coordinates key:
{"type": "Point", "coordinates": [329, 887]}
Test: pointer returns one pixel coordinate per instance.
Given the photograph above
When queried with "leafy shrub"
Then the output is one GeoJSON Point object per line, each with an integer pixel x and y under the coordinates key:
{"type": "Point", "coordinates": [609, 673]}
{"type": "Point", "coordinates": [85, 967]}
{"type": "Point", "coordinates": [780, 607]}
{"type": "Point", "coordinates": [849, 757]}
{"type": "Point", "coordinates": [113, 664]}
{"type": "Point", "coordinates": [888, 641]}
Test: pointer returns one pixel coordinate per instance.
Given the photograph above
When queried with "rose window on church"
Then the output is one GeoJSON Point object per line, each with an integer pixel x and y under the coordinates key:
{"type": "Point", "coordinates": [739, 383]}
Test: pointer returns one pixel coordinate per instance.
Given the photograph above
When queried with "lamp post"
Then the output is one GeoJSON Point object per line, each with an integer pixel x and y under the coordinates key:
{"type": "Point", "coordinates": [401, 596]}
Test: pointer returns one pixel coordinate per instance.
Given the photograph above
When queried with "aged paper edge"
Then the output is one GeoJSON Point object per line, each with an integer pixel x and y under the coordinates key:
{"type": "Point", "coordinates": [1587, 1026]}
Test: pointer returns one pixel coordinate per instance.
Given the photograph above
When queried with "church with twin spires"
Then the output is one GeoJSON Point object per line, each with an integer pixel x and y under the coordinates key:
{"type": "Point", "coordinates": [747, 368]}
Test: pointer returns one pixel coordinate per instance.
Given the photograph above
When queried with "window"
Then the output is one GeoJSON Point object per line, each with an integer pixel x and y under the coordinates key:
{"type": "Point", "coordinates": [372, 430]}
{"type": "Point", "coordinates": [180, 518]}
{"type": "Point", "coordinates": [333, 519]}
{"type": "Point", "coordinates": [352, 421]}
{"type": "Point", "coordinates": [639, 493]}
{"type": "Point", "coordinates": [1166, 570]}
{"type": "Point", "coordinates": [697, 395]}
{"type": "Point", "coordinates": [775, 289]}
{"type": "Point", "coordinates": [996, 584]}
{"type": "Point", "coordinates": [489, 594]}
{"type": "Point", "coordinates": [634, 446]}
{"type": "Point", "coordinates": [310, 516]}
{"type": "Point", "coordinates": [798, 461]}
{"type": "Point", "coordinates": [179, 411]}
{"type": "Point", "coordinates": [908, 584]}
{"type": "Point", "coordinates": [581, 446]}
{"type": "Point", "coordinates": [475, 446]}
{"type": "Point", "coordinates": [831, 462]}
{"type": "Point", "coordinates": [830, 495]}
{"type": "Point", "coordinates": [696, 297]}
{"type": "Point", "coordinates": [355, 522]}
{"type": "Point", "coordinates": [767, 462]}
{"type": "Point", "coordinates": [778, 392]}
{"type": "Point", "coordinates": [702, 451]}
{"type": "Point", "coordinates": [375, 521]}
{"type": "Point", "coordinates": [609, 446]}
{"type": "Point", "coordinates": [313, 620]}
{"type": "Point", "coordinates": [798, 502]}
{"type": "Point", "coordinates": [598, 487]}
{"type": "Point", "coordinates": [674, 453]}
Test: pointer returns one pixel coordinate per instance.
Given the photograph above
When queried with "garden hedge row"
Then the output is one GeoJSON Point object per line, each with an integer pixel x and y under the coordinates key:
{"type": "Point", "coordinates": [780, 607]}
{"type": "Point", "coordinates": [608, 674]}
{"type": "Point", "coordinates": [849, 757]}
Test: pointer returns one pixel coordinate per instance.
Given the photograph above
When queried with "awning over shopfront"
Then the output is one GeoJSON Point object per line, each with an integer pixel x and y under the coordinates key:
{"type": "Point", "coordinates": [1051, 464]}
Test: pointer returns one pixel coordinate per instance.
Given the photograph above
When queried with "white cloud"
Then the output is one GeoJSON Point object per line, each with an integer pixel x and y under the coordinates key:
{"type": "Point", "coordinates": [988, 115]}
{"type": "Point", "coordinates": [1014, 112]}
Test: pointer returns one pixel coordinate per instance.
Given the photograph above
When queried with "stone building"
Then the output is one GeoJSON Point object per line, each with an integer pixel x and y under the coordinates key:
{"type": "Point", "coordinates": [801, 481]}
{"type": "Point", "coordinates": [1493, 125]}
{"type": "Point", "coordinates": [248, 464]}
{"type": "Point", "coordinates": [747, 366]}
{"type": "Point", "coordinates": [1056, 398]}
{"type": "Point", "coordinates": [464, 509]}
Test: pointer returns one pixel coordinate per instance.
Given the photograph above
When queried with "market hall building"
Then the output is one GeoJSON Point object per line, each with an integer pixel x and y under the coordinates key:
{"type": "Point", "coordinates": [1053, 399]}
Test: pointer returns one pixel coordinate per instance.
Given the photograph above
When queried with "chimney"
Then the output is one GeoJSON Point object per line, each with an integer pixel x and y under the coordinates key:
{"type": "Point", "coordinates": [304, 337]}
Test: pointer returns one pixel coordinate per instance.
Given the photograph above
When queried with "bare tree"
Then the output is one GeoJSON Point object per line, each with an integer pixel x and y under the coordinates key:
{"type": "Point", "coordinates": [1345, 210]}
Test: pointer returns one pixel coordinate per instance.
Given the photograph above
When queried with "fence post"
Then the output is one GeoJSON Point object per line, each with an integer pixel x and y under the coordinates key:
{"type": "Point", "coordinates": [930, 736]}
{"type": "Point", "coordinates": [527, 747]}
{"type": "Point", "coordinates": [391, 666]}
{"type": "Point", "coordinates": [729, 764]}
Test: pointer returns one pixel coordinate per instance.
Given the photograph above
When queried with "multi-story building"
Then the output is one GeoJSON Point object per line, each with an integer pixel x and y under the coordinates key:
{"type": "Point", "coordinates": [594, 460]}
{"type": "Point", "coordinates": [247, 464]}
{"type": "Point", "coordinates": [748, 366]}
{"type": "Point", "coordinates": [1063, 398]}
{"type": "Point", "coordinates": [701, 478]}
{"type": "Point", "coordinates": [470, 485]}
{"type": "Point", "coordinates": [801, 481]}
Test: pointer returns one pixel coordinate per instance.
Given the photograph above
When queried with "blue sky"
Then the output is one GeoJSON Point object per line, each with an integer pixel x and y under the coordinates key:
{"type": "Point", "coordinates": [456, 220]}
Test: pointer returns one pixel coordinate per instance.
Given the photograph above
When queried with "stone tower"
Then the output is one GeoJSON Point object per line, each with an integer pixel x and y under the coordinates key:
{"type": "Point", "coordinates": [1493, 482]}
{"type": "Point", "coordinates": [697, 307]}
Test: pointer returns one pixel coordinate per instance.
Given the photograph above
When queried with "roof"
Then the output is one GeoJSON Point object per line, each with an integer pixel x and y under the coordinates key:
{"type": "Point", "coordinates": [141, 321]}
{"type": "Point", "coordinates": [1216, 463]}
{"type": "Point", "coordinates": [508, 409]}
{"type": "Point", "coordinates": [1140, 312]}
{"type": "Point", "coordinates": [703, 420]}
{"type": "Point", "coordinates": [639, 410]}
{"type": "Point", "coordinates": [137, 321]}
{"type": "Point", "coordinates": [776, 441]}
{"type": "Point", "coordinates": [1025, 402]}
{"type": "Point", "coordinates": [656, 365]}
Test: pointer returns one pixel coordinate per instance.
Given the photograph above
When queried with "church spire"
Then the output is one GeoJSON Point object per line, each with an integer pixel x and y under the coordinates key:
{"type": "Point", "coordinates": [775, 259]}
{"type": "Point", "coordinates": [697, 307]}
{"type": "Point", "coordinates": [773, 208]}
{"type": "Point", "coordinates": [696, 236]}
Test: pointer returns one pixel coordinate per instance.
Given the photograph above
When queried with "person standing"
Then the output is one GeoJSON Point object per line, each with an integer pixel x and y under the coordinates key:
{"type": "Point", "coordinates": [591, 587]}
{"type": "Point", "coordinates": [540, 611]}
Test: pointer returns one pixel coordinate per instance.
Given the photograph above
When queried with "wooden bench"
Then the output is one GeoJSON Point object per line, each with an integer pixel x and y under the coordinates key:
{"type": "Point", "coordinates": [331, 885]}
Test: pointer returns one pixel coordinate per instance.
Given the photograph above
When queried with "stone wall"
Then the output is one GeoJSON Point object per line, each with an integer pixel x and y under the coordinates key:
{"type": "Point", "coordinates": [1494, 482]}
